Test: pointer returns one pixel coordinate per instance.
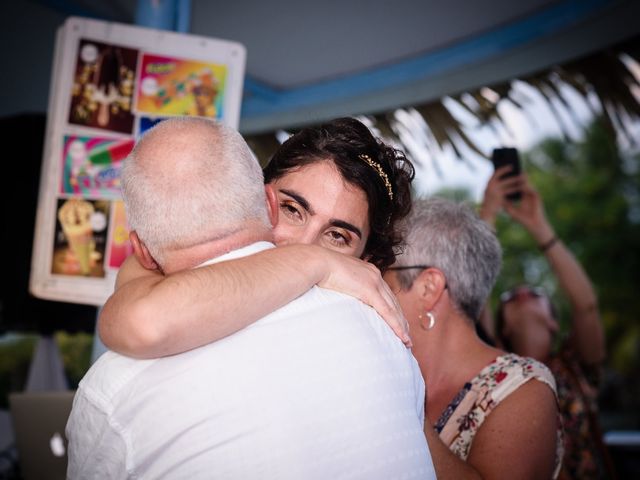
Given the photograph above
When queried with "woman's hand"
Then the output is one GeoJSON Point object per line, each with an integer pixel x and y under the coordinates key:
{"type": "Point", "coordinates": [363, 280]}
{"type": "Point", "coordinates": [529, 212]}
{"type": "Point", "coordinates": [498, 187]}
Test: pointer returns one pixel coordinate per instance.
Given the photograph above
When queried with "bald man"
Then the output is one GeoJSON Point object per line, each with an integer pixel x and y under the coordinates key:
{"type": "Point", "coordinates": [321, 388]}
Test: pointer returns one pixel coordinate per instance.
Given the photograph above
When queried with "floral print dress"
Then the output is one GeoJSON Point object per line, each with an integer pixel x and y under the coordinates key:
{"type": "Point", "coordinates": [585, 455]}
{"type": "Point", "coordinates": [465, 414]}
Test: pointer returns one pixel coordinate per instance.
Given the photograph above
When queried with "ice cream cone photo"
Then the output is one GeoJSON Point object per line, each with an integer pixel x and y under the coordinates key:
{"type": "Point", "coordinates": [82, 227]}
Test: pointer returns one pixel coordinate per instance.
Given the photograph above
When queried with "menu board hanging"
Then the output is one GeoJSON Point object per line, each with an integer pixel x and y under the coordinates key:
{"type": "Point", "coordinates": [111, 82]}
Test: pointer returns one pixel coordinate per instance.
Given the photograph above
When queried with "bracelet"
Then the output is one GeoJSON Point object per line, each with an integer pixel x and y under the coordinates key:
{"type": "Point", "coordinates": [547, 245]}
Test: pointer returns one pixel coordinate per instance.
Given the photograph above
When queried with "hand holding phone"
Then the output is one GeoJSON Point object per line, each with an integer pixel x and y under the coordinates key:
{"type": "Point", "coordinates": [508, 156]}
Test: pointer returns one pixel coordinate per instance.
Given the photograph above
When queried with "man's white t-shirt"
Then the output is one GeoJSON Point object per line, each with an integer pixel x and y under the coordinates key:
{"type": "Point", "coordinates": [319, 389]}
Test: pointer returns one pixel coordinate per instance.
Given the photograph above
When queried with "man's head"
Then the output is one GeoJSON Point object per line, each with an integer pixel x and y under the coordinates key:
{"type": "Point", "coordinates": [188, 182]}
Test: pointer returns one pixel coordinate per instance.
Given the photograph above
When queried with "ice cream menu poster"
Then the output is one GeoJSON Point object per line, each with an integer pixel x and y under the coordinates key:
{"type": "Point", "coordinates": [110, 83]}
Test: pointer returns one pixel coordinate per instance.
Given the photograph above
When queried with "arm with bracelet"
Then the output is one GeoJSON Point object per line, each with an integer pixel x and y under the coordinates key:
{"type": "Point", "coordinates": [500, 189]}
{"type": "Point", "coordinates": [587, 334]}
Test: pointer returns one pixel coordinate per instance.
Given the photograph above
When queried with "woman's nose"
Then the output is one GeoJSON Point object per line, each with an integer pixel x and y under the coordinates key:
{"type": "Point", "coordinates": [309, 236]}
{"type": "Point", "coordinates": [300, 234]}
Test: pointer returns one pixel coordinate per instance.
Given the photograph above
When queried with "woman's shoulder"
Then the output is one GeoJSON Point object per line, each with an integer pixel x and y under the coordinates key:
{"type": "Point", "coordinates": [510, 371]}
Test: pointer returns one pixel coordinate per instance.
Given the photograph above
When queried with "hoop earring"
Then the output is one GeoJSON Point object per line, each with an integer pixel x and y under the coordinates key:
{"type": "Point", "coordinates": [432, 320]}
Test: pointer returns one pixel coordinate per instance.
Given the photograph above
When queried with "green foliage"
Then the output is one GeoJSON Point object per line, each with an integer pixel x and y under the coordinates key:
{"type": "Point", "coordinates": [16, 352]}
{"type": "Point", "coordinates": [592, 198]}
{"type": "Point", "coordinates": [455, 194]}
{"type": "Point", "coordinates": [76, 355]}
{"type": "Point", "coordinates": [15, 358]}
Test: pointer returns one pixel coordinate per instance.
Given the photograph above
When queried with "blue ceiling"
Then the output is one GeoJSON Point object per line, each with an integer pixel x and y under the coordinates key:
{"type": "Point", "coordinates": [308, 61]}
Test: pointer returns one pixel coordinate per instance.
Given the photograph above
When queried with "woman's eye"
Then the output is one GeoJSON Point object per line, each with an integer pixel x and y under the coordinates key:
{"type": "Point", "coordinates": [290, 210]}
{"type": "Point", "coordinates": [338, 238]}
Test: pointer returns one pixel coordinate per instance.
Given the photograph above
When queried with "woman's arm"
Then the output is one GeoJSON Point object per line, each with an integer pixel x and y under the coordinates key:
{"type": "Point", "coordinates": [446, 464]}
{"type": "Point", "coordinates": [509, 444]}
{"type": "Point", "coordinates": [586, 328]}
{"type": "Point", "coordinates": [518, 439]}
{"type": "Point", "coordinates": [492, 204]}
{"type": "Point", "coordinates": [152, 315]}
{"type": "Point", "coordinates": [498, 187]}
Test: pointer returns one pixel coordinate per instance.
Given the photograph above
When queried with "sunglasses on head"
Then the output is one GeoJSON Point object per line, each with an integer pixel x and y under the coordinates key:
{"type": "Point", "coordinates": [522, 292]}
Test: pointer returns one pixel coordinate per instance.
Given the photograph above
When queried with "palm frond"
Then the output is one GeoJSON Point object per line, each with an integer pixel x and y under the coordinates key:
{"type": "Point", "coordinates": [446, 130]}
{"type": "Point", "coordinates": [603, 75]}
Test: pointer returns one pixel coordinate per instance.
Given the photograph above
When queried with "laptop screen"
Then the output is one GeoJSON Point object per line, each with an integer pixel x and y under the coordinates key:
{"type": "Point", "coordinates": [39, 420]}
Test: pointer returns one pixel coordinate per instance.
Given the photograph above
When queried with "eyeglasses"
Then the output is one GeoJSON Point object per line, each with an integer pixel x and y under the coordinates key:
{"type": "Point", "coordinates": [525, 291]}
{"type": "Point", "coordinates": [409, 267]}
{"type": "Point", "coordinates": [421, 267]}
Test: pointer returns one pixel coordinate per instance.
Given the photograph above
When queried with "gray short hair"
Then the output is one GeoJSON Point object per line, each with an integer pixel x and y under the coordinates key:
{"type": "Point", "coordinates": [450, 237]}
{"type": "Point", "coordinates": [209, 187]}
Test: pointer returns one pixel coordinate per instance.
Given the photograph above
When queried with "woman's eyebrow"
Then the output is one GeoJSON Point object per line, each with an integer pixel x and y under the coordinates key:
{"type": "Point", "coordinates": [346, 225]}
{"type": "Point", "coordinates": [300, 199]}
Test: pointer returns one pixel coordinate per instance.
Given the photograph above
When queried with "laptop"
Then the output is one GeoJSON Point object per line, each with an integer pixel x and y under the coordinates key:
{"type": "Point", "coordinates": [39, 420]}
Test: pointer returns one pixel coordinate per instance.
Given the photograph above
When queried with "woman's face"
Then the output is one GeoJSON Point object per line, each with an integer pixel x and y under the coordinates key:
{"type": "Point", "coordinates": [529, 324]}
{"type": "Point", "coordinates": [316, 206]}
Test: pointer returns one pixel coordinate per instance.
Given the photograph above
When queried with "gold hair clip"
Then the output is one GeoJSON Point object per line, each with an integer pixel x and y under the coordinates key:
{"type": "Point", "coordinates": [379, 171]}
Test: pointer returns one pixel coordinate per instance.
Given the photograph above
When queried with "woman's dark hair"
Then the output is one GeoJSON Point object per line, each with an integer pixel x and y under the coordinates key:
{"type": "Point", "coordinates": [499, 326]}
{"type": "Point", "coordinates": [382, 172]}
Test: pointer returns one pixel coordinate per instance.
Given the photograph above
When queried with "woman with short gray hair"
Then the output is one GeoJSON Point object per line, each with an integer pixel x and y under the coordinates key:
{"type": "Point", "coordinates": [442, 281]}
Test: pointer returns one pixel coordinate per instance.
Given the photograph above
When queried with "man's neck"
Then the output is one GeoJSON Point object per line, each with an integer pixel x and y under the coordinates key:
{"type": "Point", "coordinates": [191, 257]}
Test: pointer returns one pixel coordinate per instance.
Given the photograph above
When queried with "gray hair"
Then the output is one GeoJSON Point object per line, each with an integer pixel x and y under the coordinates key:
{"type": "Point", "coordinates": [450, 237]}
{"type": "Point", "coordinates": [188, 181]}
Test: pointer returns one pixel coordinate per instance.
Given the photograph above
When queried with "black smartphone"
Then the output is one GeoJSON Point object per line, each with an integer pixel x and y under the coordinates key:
{"type": "Point", "coordinates": [508, 156]}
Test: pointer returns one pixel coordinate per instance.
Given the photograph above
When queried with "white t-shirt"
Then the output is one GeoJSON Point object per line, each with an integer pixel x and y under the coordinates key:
{"type": "Point", "coordinates": [319, 389]}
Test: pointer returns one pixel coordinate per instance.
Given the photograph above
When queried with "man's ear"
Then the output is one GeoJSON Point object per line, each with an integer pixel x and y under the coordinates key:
{"type": "Point", "coordinates": [272, 204]}
{"type": "Point", "coordinates": [141, 252]}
